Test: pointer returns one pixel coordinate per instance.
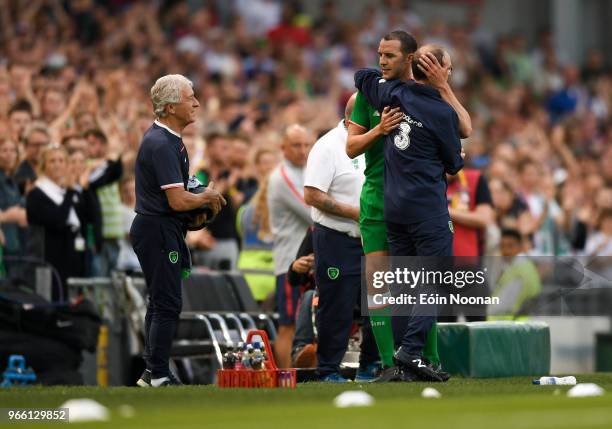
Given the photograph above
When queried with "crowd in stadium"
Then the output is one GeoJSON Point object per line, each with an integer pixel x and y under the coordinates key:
{"type": "Point", "coordinates": [74, 103]}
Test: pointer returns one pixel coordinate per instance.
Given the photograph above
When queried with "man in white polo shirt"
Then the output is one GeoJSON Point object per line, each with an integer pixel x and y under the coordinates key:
{"type": "Point", "coordinates": [332, 185]}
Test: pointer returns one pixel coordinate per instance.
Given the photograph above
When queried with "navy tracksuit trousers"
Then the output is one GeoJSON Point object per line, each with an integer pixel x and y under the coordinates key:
{"type": "Point", "coordinates": [432, 237]}
{"type": "Point", "coordinates": [160, 246]}
{"type": "Point", "coordinates": [338, 278]}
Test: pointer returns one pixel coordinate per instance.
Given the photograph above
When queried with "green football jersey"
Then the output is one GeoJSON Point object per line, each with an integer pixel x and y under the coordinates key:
{"type": "Point", "coordinates": [366, 116]}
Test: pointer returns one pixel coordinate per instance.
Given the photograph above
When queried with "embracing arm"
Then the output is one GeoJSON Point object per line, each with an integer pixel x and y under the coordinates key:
{"type": "Point", "coordinates": [465, 122]}
{"type": "Point", "coordinates": [377, 91]}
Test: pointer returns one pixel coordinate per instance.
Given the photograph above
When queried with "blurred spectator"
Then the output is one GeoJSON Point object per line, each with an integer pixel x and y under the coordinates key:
{"type": "Point", "coordinates": [77, 167]}
{"type": "Point", "coordinates": [599, 243]}
{"type": "Point", "coordinates": [20, 75]}
{"type": "Point", "coordinates": [58, 210]}
{"type": "Point", "coordinates": [35, 138]}
{"type": "Point", "coordinates": [470, 209]}
{"type": "Point", "coordinates": [289, 31]}
{"type": "Point", "coordinates": [594, 66]}
{"type": "Point", "coordinates": [258, 16]}
{"type": "Point", "coordinates": [242, 180]}
{"type": "Point", "coordinates": [570, 98]}
{"type": "Point", "coordinates": [598, 248]}
{"type": "Point", "coordinates": [217, 247]}
{"type": "Point", "coordinates": [289, 218]}
{"type": "Point", "coordinates": [511, 211]}
{"type": "Point", "coordinates": [104, 179]}
{"type": "Point", "coordinates": [253, 225]}
{"type": "Point", "coordinates": [75, 142]}
{"type": "Point", "coordinates": [301, 275]}
{"type": "Point", "coordinates": [19, 119]}
{"type": "Point", "coordinates": [127, 259]}
{"type": "Point", "coordinates": [519, 281]}
{"type": "Point", "coordinates": [538, 191]}
{"type": "Point", "coordinates": [12, 213]}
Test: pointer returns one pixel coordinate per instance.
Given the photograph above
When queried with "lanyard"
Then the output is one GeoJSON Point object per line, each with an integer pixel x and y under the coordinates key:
{"type": "Point", "coordinates": [292, 187]}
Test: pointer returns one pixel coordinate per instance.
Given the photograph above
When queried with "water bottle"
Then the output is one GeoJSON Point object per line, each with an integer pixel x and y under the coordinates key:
{"type": "Point", "coordinates": [229, 358]}
{"type": "Point", "coordinates": [568, 381]}
{"type": "Point", "coordinates": [239, 355]}
{"type": "Point", "coordinates": [257, 359]}
{"type": "Point", "coordinates": [246, 356]}
{"type": "Point", "coordinates": [262, 349]}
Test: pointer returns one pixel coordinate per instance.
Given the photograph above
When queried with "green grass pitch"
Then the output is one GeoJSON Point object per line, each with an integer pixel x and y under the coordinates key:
{"type": "Point", "coordinates": [511, 403]}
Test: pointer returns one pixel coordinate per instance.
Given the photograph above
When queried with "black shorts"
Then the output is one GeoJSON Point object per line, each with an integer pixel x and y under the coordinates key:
{"type": "Point", "coordinates": [160, 246]}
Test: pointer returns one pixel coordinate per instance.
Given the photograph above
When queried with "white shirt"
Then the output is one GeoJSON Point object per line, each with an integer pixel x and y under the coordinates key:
{"type": "Point", "coordinates": [330, 170]}
{"type": "Point", "coordinates": [159, 124]}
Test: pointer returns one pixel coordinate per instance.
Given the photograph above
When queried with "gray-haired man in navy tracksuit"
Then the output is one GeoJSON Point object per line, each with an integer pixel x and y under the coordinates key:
{"type": "Point", "coordinates": [418, 155]}
{"type": "Point", "coordinates": [158, 231]}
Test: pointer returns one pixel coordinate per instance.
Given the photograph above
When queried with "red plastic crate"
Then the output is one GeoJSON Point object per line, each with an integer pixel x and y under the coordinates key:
{"type": "Point", "coordinates": [269, 377]}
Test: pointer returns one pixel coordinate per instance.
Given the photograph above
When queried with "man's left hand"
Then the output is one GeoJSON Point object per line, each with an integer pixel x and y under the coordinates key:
{"type": "Point", "coordinates": [436, 74]}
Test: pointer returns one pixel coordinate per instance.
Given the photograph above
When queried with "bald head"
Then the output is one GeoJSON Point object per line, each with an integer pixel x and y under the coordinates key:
{"type": "Point", "coordinates": [296, 145]}
{"type": "Point", "coordinates": [348, 110]}
{"type": "Point", "coordinates": [438, 52]}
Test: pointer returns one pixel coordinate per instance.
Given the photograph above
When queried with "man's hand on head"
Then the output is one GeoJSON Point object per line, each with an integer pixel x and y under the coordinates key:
{"type": "Point", "coordinates": [437, 75]}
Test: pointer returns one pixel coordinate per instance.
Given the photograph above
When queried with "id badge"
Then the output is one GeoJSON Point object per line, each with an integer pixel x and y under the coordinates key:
{"type": "Point", "coordinates": [79, 244]}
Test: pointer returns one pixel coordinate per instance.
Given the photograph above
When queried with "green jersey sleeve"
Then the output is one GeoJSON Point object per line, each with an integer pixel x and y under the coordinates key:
{"type": "Point", "coordinates": [361, 113]}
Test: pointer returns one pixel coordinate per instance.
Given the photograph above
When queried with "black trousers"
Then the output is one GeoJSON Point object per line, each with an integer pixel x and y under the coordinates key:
{"type": "Point", "coordinates": [160, 246]}
{"type": "Point", "coordinates": [338, 278]}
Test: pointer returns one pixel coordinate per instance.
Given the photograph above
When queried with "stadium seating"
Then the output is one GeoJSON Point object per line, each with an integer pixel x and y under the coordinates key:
{"type": "Point", "coordinates": [218, 311]}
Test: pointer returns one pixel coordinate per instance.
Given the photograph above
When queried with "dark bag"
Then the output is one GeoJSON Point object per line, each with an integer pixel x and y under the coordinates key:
{"type": "Point", "coordinates": [76, 325]}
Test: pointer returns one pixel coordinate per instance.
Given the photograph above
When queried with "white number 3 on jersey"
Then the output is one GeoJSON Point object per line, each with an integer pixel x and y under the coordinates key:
{"type": "Point", "coordinates": [402, 138]}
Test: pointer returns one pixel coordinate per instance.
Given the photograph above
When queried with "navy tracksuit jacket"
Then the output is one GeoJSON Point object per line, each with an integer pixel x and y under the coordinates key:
{"type": "Point", "coordinates": [418, 154]}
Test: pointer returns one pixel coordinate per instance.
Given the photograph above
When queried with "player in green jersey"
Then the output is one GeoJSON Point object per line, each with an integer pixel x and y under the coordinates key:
{"type": "Point", "coordinates": [367, 129]}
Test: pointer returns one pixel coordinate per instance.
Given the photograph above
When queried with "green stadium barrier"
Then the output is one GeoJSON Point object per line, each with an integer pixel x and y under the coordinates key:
{"type": "Point", "coordinates": [495, 349]}
{"type": "Point", "coordinates": [603, 352]}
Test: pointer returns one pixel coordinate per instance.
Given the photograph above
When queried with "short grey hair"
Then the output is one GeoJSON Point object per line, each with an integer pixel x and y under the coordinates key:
{"type": "Point", "coordinates": [167, 90]}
